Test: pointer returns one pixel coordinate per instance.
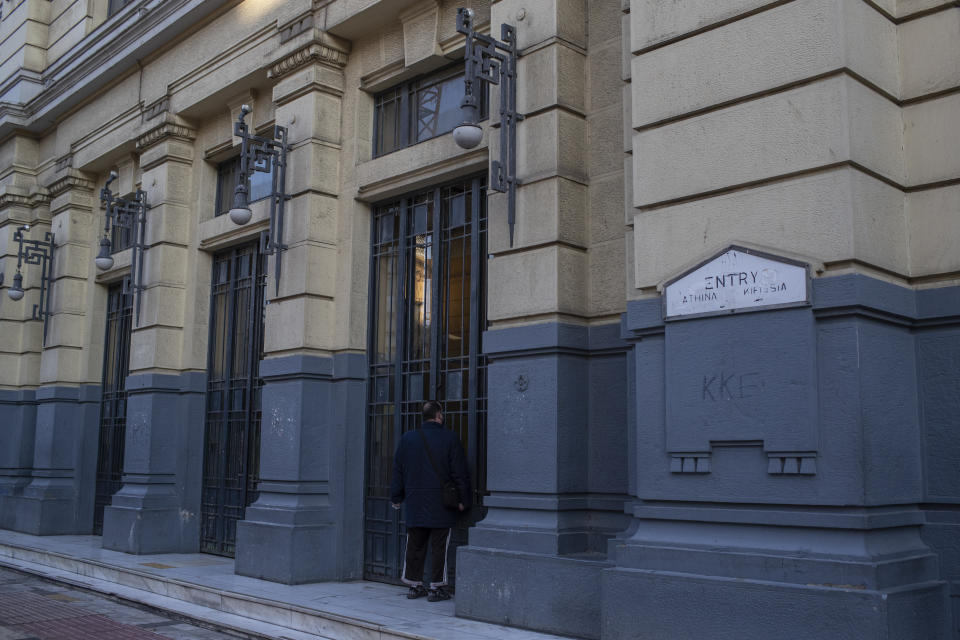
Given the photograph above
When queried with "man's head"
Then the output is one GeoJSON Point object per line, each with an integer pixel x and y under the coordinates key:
{"type": "Point", "coordinates": [433, 411]}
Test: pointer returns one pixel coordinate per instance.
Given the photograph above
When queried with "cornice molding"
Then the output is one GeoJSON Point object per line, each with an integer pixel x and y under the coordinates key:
{"type": "Point", "coordinates": [72, 179]}
{"type": "Point", "coordinates": [162, 131]}
{"type": "Point", "coordinates": [20, 196]}
{"type": "Point", "coordinates": [313, 52]}
{"type": "Point", "coordinates": [36, 198]}
{"type": "Point", "coordinates": [321, 47]}
{"type": "Point", "coordinates": [106, 53]}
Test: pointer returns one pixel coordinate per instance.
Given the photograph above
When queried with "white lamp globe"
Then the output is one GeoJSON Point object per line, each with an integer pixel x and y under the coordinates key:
{"type": "Point", "coordinates": [16, 291]}
{"type": "Point", "coordinates": [467, 135]}
{"type": "Point", "coordinates": [104, 260]}
{"type": "Point", "coordinates": [241, 215]}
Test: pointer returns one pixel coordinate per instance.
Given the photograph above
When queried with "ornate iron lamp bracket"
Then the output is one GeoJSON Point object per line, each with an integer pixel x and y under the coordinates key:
{"type": "Point", "coordinates": [492, 61]}
{"type": "Point", "coordinates": [35, 252]}
{"type": "Point", "coordinates": [258, 153]}
{"type": "Point", "coordinates": [119, 211]}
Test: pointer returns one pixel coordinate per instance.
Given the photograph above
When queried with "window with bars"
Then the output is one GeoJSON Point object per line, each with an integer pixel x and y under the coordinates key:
{"type": "Point", "coordinates": [121, 233]}
{"type": "Point", "coordinates": [419, 110]}
{"type": "Point", "coordinates": [258, 188]}
{"type": "Point", "coordinates": [113, 404]}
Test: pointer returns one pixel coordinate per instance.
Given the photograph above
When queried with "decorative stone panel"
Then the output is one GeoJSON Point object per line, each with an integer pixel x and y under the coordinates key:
{"type": "Point", "coordinates": [320, 48]}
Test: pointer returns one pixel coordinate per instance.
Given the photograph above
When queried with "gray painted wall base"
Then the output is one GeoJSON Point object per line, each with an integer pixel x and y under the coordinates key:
{"type": "Point", "coordinates": [942, 534]}
{"type": "Point", "coordinates": [59, 496]}
{"type": "Point", "coordinates": [550, 524]}
{"type": "Point", "coordinates": [641, 604]}
{"type": "Point", "coordinates": [557, 436]}
{"type": "Point", "coordinates": [18, 415]}
{"type": "Point", "coordinates": [290, 554]}
{"type": "Point", "coordinates": [548, 593]}
{"type": "Point", "coordinates": [43, 513]}
{"type": "Point", "coordinates": [157, 510]}
{"type": "Point", "coordinates": [556, 439]}
{"type": "Point", "coordinates": [305, 524]}
{"type": "Point", "coordinates": [10, 492]}
{"type": "Point", "coordinates": [784, 470]}
{"type": "Point", "coordinates": [139, 529]}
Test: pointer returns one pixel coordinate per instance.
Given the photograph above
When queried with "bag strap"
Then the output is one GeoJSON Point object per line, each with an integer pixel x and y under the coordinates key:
{"type": "Point", "coordinates": [430, 455]}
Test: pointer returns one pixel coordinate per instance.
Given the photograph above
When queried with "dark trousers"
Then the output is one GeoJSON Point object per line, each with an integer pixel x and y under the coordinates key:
{"type": "Point", "coordinates": [417, 538]}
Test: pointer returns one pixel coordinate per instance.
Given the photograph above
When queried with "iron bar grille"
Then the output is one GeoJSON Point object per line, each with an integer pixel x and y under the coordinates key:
{"type": "Point", "coordinates": [113, 404]}
{"type": "Point", "coordinates": [121, 233]}
{"type": "Point", "coordinates": [427, 311]}
{"type": "Point", "coordinates": [232, 438]}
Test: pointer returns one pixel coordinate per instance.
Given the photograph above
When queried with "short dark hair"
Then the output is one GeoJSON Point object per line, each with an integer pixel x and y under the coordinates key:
{"type": "Point", "coordinates": [430, 409]}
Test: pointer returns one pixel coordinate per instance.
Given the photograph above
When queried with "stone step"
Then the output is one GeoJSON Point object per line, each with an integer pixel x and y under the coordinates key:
{"type": "Point", "coordinates": [180, 609]}
{"type": "Point", "coordinates": [255, 608]}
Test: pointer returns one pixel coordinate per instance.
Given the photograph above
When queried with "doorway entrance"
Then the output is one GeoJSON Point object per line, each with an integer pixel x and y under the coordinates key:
{"type": "Point", "coordinates": [232, 433]}
{"type": "Point", "coordinates": [427, 313]}
{"type": "Point", "coordinates": [113, 403]}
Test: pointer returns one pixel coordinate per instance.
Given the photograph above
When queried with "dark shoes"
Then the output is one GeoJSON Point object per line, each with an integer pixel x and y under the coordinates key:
{"type": "Point", "coordinates": [433, 595]}
{"type": "Point", "coordinates": [416, 592]}
{"type": "Point", "coordinates": [438, 594]}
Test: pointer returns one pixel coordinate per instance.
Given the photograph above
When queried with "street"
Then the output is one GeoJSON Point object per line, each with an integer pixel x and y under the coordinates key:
{"type": "Point", "coordinates": [33, 609]}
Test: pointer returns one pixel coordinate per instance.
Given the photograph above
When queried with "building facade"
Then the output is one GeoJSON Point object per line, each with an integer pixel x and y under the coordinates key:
{"type": "Point", "coordinates": [667, 438]}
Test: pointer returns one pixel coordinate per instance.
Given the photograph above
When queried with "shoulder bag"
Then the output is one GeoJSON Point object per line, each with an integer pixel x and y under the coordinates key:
{"type": "Point", "coordinates": [451, 495]}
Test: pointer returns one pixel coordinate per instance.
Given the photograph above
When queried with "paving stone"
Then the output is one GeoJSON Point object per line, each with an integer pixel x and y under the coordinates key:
{"type": "Point", "coordinates": [32, 609]}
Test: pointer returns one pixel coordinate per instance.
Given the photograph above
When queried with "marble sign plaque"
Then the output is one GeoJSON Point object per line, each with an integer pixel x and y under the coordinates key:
{"type": "Point", "coordinates": [737, 280]}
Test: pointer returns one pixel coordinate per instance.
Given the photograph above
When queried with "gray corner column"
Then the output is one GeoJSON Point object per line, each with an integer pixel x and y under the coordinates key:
{"type": "Point", "coordinates": [157, 510]}
{"type": "Point", "coordinates": [780, 465]}
{"type": "Point", "coordinates": [18, 417]}
{"type": "Point", "coordinates": [557, 477]}
{"type": "Point", "coordinates": [307, 520]}
{"type": "Point", "coordinates": [938, 360]}
{"type": "Point", "coordinates": [59, 497]}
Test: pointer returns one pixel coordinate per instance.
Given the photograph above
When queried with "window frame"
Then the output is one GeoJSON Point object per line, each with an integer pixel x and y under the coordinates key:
{"type": "Point", "coordinates": [224, 201]}
{"type": "Point", "coordinates": [114, 6]}
{"type": "Point", "coordinates": [404, 95]}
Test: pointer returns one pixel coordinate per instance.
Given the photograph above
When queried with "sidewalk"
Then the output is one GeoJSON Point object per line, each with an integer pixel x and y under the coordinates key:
{"type": "Point", "coordinates": [204, 587]}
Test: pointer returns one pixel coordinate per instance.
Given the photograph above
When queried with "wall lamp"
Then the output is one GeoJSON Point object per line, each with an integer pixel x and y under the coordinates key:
{"type": "Point", "coordinates": [492, 61]}
{"type": "Point", "coordinates": [269, 155]}
{"type": "Point", "coordinates": [35, 252]}
{"type": "Point", "coordinates": [125, 212]}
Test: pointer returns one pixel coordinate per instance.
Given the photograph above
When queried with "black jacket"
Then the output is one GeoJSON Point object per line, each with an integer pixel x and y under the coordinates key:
{"type": "Point", "coordinates": [416, 483]}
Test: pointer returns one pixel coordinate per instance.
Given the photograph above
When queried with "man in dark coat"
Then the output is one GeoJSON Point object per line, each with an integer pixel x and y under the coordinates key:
{"type": "Point", "coordinates": [417, 483]}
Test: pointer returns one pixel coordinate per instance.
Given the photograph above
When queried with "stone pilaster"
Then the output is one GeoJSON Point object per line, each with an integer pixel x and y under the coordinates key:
{"type": "Point", "coordinates": [59, 497]}
{"type": "Point", "coordinates": [302, 528]}
{"type": "Point", "coordinates": [157, 509]}
{"type": "Point", "coordinates": [21, 202]}
{"type": "Point", "coordinates": [556, 376]}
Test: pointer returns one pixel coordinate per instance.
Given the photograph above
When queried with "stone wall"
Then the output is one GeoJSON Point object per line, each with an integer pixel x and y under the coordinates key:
{"type": "Point", "coordinates": [816, 130]}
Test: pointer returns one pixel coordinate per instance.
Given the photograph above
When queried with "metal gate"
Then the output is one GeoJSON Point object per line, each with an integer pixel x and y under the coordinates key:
{"type": "Point", "coordinates": [232, 438]}
{"type": "Point", "coordinates": [427, 311]}
{"type": "Point", "coordinates": [113, 403]}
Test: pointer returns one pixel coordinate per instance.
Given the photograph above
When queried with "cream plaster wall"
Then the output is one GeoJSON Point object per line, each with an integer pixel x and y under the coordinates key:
{"type": "Point", "coordinates": [819, 129]}
{"type": "Point", "coordinates": [656, 134]}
